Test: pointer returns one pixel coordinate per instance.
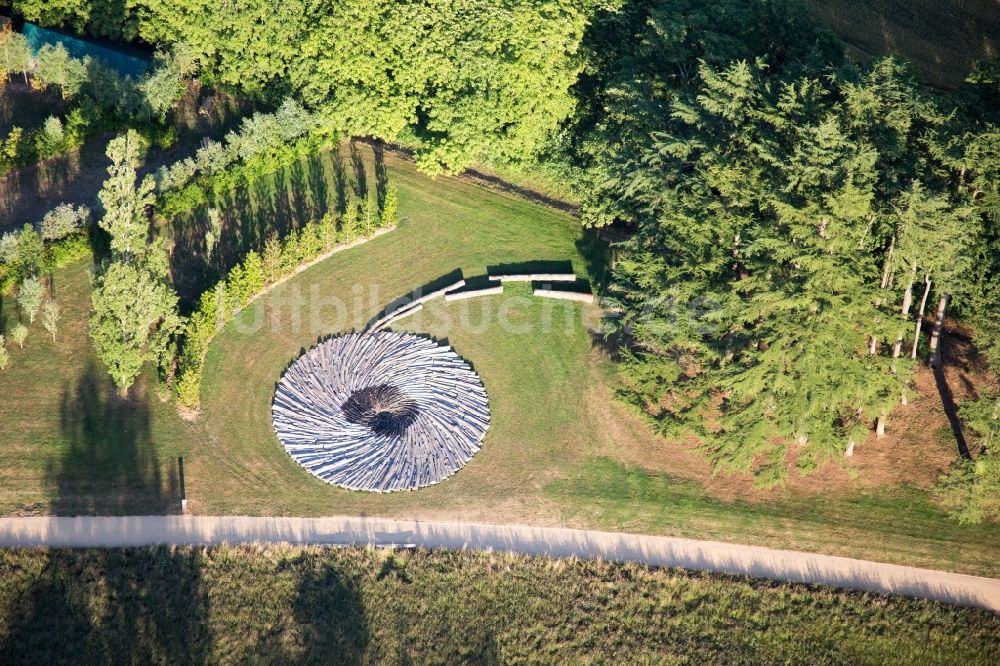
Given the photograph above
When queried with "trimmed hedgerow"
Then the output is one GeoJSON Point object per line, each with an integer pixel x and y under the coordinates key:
{"type": "Point", "coordinates": [258, 272]}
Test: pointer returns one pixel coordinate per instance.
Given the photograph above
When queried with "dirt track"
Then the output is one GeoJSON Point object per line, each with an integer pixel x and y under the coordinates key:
{"type": "Point", "coordinates": [691, 554]}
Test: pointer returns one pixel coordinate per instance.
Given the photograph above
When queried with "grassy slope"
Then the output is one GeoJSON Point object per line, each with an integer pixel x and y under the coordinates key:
{"type": "Point", "coordinates": [943, 39]}
{"type": "Point", "coordinates": [553, 455]}
{"type": "Point", "coordinates": [285, 605]}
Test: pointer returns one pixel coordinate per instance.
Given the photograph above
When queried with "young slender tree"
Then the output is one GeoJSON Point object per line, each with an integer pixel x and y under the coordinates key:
{"type": "Point", "coordinates": [214, 231]}
{"type": "Point", "coordinates": [50, 318]}
{"type": "Point", "coordinates": [29, 297]}
{"type": "Point", "coordinates": [390, 207]}
{"type": "Point", "coordinates": [4, 357]}
{"type": "Point", "coordinates": [19, 333]}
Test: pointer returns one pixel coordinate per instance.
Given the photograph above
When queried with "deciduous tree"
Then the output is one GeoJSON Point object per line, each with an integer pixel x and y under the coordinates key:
{"type": "Point", "coordinates": [29, 297]}
{"type": "Point", "coordinates": [16, 53]}
{"type": "Point", "coordinates": [133, 320]}
{"type": "Point", "coordinates": [55, 67]}
{"type": "Point", "coordinates": [19, 333]}
{"type": "Point", "coordinates": [50, 318]}
{"type": "Point", "coordinates": [125, 202]}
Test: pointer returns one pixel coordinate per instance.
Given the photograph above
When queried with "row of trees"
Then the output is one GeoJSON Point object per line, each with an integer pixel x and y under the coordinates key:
{"type": "Point", "coordinates": [278, 259]}
{"type": "Point", "coordinates": [258, 134]}
{"type": "Point", "coordinates": [148, 97]}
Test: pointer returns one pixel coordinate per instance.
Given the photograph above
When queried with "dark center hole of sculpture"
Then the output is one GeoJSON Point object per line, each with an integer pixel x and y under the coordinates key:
{"type": "Point", "coordinates": [383, 408]}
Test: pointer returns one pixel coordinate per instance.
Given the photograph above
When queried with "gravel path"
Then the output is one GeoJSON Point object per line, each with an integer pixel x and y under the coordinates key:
{"type": "Point", "coordinates": [714, 556]}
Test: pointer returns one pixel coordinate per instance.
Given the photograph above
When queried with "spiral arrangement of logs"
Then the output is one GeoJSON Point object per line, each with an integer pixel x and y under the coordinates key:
{"type": "Point", "coordinates": [381, 411]}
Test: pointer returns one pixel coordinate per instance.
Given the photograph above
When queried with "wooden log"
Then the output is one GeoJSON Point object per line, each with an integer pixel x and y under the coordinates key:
{"type": "Point", "coordinates": [473, 293]}
{"type": "Point", "coordinates": [565, 295]}
{"type": "Point", "coordinates": [534, 277]}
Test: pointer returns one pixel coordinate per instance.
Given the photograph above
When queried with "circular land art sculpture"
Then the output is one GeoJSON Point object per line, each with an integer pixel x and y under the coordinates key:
{"type": "Point", "coordinates": [380, 411]}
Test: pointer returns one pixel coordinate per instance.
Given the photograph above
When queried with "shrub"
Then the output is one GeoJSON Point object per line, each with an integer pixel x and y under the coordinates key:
{"type": "Point", "coordinates": [10, 148]}
{"type": "Point", "coordinates": [66, 251]}
{"type": "Point", "coordinates": [189, 198]}
{"type": "Point", "coordinates": [63, 220]}
{"type": "Point", "coordinates": [50, 140]}
{"type": "Point", "coordinates": [970, 490]}
{"type": "Point", "coordinates": [213, 158]}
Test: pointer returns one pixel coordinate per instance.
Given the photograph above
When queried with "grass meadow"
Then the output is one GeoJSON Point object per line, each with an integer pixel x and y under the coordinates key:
{"type": "Point", "coordinates": [309, 605]}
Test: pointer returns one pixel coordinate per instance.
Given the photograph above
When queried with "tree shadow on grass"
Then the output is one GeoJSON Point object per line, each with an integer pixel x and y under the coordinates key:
{"type": "Point", "coordinates": [277, 204]}
{"type": "Point", "coordinates": [328, 617]}
{"type": "Point", "coordinates": [360, 175]}
{"type": "Point", "coordinates": [107, 464]}
{"type": "Point", "coordinates": [328, 608]}
{"type": "Point", "coordinates": [301, 202]}
{"type": "Point", "coordinates": [381, 174]}
{"type": "Point", "coordinates": [117, 606]}
{"type": "Point", "coordinates": [340, 179]}
{"type": "Point", "coordinates": [319, 187]}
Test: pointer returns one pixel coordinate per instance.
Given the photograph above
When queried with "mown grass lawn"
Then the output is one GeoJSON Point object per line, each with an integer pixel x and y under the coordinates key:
{"type": "Point", "coordinates": [555, 453]}
{"type": "Point", "coordinates": [308, 605]}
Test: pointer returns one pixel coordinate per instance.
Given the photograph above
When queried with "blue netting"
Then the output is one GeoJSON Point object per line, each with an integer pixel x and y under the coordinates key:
{"type": "Point", "coordinates": [128, 62]}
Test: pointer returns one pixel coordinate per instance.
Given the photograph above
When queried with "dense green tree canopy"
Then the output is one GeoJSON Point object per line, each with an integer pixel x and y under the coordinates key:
{"type": "Point", "coordinates": [785, 205]}
{"type": "Point", "coordinates": [469, 79]}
